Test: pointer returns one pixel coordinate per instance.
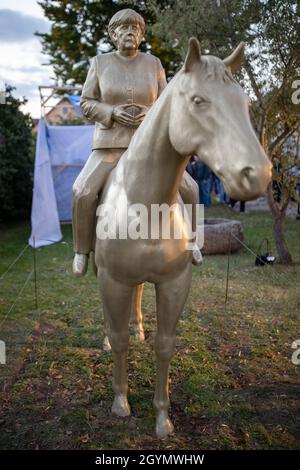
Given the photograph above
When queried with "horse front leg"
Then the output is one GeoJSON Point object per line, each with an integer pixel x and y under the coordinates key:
{"type": "Point", "coordinates": [170, 300]}
{"type": "Point", "coordinates": [136, 313]}
{"type": "Point", "coordinates": [116, 299]}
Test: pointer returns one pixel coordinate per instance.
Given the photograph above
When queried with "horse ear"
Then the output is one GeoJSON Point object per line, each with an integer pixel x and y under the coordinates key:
{"type": "Point", "coordinates": [235, 60]}
{"type": "Point", "coordinates": [193, 56]}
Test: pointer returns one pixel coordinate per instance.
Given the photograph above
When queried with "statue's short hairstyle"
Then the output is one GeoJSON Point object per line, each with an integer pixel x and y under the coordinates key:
{"type": "Point", "coordinates": [126, 16]}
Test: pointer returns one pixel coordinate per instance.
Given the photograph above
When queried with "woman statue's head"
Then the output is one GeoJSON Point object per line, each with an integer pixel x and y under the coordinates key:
{"type": "Point", "coordinates": [126, 29]}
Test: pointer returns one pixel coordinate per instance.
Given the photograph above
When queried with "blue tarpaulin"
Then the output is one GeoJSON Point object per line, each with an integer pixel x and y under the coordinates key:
{"type": "Point", "coordinates": [61, 152]}
{"type": "Point", "coordinates": [75, 102]}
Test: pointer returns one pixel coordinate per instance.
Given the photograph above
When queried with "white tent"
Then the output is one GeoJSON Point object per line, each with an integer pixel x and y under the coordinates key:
{"type": "Point", "coordinates": [61, 152]}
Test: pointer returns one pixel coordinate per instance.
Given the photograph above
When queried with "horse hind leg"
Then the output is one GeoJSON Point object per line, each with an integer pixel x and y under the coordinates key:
{"type": "Point", "coordinates": [116, 299]}
{"type": "Point", "coordinates": [136, 313]}
{"type": "Point", "coordinates": [170, 300]}
{"type": "Point", "coordinates": [106, 344]}
{"type": "Point", "coordinates": [92, 258]}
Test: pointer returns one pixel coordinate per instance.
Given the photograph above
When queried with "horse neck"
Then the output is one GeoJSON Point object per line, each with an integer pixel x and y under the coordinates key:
{"type": "Point", "coordinates": [153, 169]}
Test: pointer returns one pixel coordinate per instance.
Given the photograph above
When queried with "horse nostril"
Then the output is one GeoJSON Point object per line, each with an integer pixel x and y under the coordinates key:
{"type": "Point", "coordinates": [246, 173]}
{"type": "Point", "coordinates": [246, 177]}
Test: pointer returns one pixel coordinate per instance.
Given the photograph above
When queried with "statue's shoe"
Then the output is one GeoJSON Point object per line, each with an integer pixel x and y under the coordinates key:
{"type": "Point", "coordinates": [197, 258]}
{"type": "Point", "coordinates": [80, 264]}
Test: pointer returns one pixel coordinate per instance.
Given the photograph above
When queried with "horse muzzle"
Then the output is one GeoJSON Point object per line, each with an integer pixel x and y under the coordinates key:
{"type": "Point", "coordinates": [248, 182]}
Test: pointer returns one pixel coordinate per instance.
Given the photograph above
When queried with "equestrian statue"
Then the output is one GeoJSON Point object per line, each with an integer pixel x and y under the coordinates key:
{"type": "Point", "coordinates": [202, 111]}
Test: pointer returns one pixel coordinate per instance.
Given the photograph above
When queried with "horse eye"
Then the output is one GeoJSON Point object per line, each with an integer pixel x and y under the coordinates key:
{"type": "Point", "coordinates": [198, 100]}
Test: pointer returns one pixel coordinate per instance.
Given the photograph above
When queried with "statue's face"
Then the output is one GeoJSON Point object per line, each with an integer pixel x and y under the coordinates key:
{"type": "Point", "coordinates": [127, 37]}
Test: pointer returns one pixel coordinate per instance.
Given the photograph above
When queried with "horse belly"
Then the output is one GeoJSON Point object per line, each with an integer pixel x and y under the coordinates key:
{"type": "Point", "coordinates": [137, 261]}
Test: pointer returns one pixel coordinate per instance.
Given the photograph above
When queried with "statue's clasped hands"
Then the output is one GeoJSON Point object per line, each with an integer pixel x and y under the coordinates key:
{"type": "Point", "coordinates": [129, 114]}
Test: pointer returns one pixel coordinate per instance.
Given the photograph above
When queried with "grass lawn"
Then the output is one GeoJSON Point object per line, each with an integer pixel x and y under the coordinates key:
{"type": "Point", "coordinates": [233, 384]}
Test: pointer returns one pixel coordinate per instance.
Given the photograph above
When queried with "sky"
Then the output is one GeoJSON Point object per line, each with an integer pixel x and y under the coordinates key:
{"type": "Point", "coordinates": [21, 63]}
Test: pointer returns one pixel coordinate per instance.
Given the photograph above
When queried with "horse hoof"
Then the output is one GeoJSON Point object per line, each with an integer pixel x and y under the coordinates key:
{"type": "Point", "coordinates": [139, 335]}
{"type": "Point", "coordinates": [106, 344]}
{"type": "Point", "coordinates": [121, 406]}
{"type": "Point", "coordinates": [164, 428]}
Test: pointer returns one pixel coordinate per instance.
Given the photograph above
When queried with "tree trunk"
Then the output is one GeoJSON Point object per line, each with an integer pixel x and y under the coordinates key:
{"type": "Point", "coordinates": [281, 245]}
{"type": "Point", "coordinates": [278, 227]}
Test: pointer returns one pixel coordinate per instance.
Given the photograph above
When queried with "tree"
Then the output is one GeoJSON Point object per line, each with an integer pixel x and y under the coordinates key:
{"type": "Point", "coordinates": [16, 159]}
{"type": "Point", "coordinates": [79, 32]}
{"type": "Point", "coordinates": [270, 30]}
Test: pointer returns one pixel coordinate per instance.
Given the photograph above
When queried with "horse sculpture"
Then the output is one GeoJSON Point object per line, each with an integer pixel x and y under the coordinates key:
{"type": "Point", "coordinates": [203, 111]}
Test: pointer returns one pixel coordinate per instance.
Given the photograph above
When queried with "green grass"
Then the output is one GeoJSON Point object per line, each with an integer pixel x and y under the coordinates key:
{"type": "Point", "coordinates": [233, 385]}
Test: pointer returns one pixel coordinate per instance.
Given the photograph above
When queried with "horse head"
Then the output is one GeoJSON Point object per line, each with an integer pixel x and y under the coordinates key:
{"type": "Point", "coordinates": [210, 118]}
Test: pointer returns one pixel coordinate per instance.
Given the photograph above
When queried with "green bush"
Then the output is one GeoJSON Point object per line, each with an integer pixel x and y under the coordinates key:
{"type": "Point", "coordinates": [16, 159]}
